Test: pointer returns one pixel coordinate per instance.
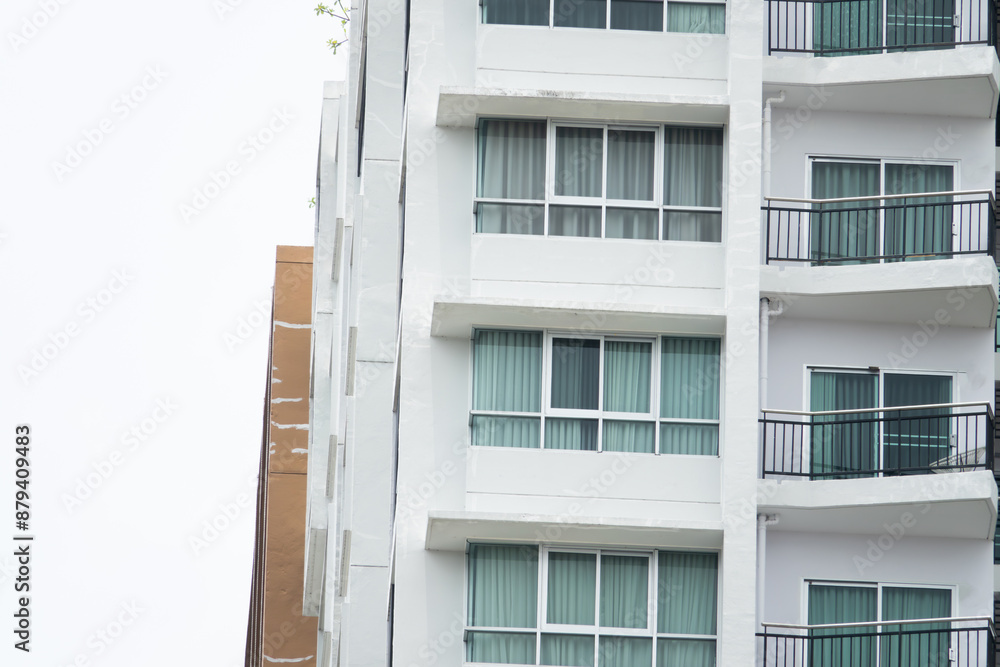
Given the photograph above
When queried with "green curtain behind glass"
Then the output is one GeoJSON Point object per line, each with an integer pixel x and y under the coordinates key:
{"type": "Point", "coordinates": [916, 438]}
{"type": "Point", "coordinates": [579, 161]}
{"type": "Point", "coordinates": [516, 12]}
{"type": "Point", "coordinates": [838, 234]}
{"type": "Point", "coordinates": [625, 651]}
{"type": "Point", "coordinates": [692, 176]}
{"type": "Point", "coordinates": [572, 589]}
{"type": "Point", "coordinates": [685, 653]}
{"type": "Point", "coordinates": [637, 15]}
{"type": "Point", "coordinates": [847, 24]}
{"type": "Point", "coordinates": [842, 604]}
{"type": "Point", "coordinates": [569, 650]}
{"type": "Point", "coordinates": [694, 17]}
{"type": "Point", "coordinates": [841, 444]}
{"type": "Point", "coordinates": [915, 650]}
{"type": "Point", "coordinates": [510, 165]}
{"type": "Point", "coordinates": [507, 376]}
{"type": "Point", "coordinates": [924, 229]}
{"type": "Point", "coordinates": [624, 591]}
{"type": "Point", "coordinates": [503, 584]}
{"type": "Point", "coordinates": [687, 593]}
{"type": "Point", "coordinates": [689, 389]}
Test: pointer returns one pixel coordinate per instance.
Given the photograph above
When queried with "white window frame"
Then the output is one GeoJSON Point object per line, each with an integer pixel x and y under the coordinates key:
{"type": "Point", "coordinates": [603, 202]}
{"type": "Point", "coordinates": [596, 631]}
{"type": "Point", "coordinates": [878, 585]}
{"type": "Point", "coordinates": [607, 17]}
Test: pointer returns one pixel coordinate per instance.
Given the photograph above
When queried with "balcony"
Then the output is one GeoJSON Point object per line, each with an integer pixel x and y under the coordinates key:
{"type": "Point", "coordinates": [881, 228]}
{"type": "Point", "coordinates": [858, 27]}
{"type": "Point", "coordinates": [956, 642]}
{"type": "Point", "coordinates": [877, 442]}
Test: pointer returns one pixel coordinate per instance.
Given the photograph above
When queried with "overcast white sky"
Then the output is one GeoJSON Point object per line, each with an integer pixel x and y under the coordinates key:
{"type": "Point", "coordinates": [118, 301]}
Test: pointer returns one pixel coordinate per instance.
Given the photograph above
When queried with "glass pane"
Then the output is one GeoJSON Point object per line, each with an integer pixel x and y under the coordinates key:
{"type": "Point", "coordinates": [632, 223]}
{"type": "Point", "coordinates": [922, 643]}
{"type": "Point", "coordinates": [575, 373]}
{"type": "Point", "coordinates": [516, 12]}
{"type": "Point", "coordinates": [847, 27]}
{"type": "Point", "coordinates": [624, 591]}
{"type": "Point", "coordinates": [696, 439]}
{"type": "Point", "coordinates": [630, 162]}
{"type": "Point", "coordinates": [625, 652]}
{"type": "Point", "coordinates": [510, 219]}
{"type": "Point", "coordinates": [511, 160]}
{"type": "Point", "coordinates": [687, 594]}
{"type": "Point", "coordinates": [693, 17]}
{"type": "Point", "coordinates": [692, 166]}
{"type": "Point", "coordinates": [573, 650]}
{"type": "Point", "coordinates": [919, 22]}
{"type": "Point", "coordinates": [507, 371]}
{"type": "Point", "coordinates": [918, 228]}
{"type": "Point", "coordinates": [917, 439]}
{"type": "Point", "coordinates": [628, 437]}
{"type": "Point", "coordinates": [627, 373]}
{"type": "Point", "coordinates": [689, 378]}
{"type": "Point", "coordinates": [501, 647]}
{"type": "Point", "coordinates": [637, 15]}
{"type": "Point", "coordinates": [579, 161]}
{"type": "Point", "coordinates": [842, 646]}
{"type": "Point", "coordinates": [574, 221]}
{"type": "Point", "coordinates": [580, 434]}
{"type": "Point", "coordinates": [572, 589]}
{"type": "Point", "coordinates": [705, 227]}
{"type": "Point", "coordinates": [580, 14]}
{"type": "Point", "coordinates": [842, 444]}
{"type": "Point", "coordinates": [685, 653]}
{"type": "Point", "coordinates": [488, 431]}
{"type": "Point", "coordinates": [846, 230]}
{"type": "Point", "coordinates": [503, 585]}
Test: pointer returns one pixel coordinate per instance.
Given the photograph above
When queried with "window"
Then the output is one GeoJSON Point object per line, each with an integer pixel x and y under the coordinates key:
{"type": "Point", "coordinates": [856, 232]}
{"type": "Point", "coordinates": [595, 393]}
{"type": "Point", "coordinates": [898, 645]}
{"type": "Point", "coordinates": [530, 605]}
{"type": "Point", "coordinates": [850, 27]}
{"type": "Point", "coordinates": [599, 181]}
{"type": "Point", "coordinates": [904, 442]}
{"type": "Point", "coordinates": [645, 15]}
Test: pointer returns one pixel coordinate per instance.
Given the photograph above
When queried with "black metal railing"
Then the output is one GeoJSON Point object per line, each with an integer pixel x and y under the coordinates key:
{"type": "Point", "coordinates": [872, 442]}
{"type": "Point", "coordinates": [932, 642]}
{"type": "Point", "coordinates": [885, 228]}
{"type": "Point", "coordinates": [858, 27]}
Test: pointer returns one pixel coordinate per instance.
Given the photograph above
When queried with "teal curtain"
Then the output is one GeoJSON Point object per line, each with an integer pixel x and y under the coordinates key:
{"type": "Point", "coordinates": [580, 14]}
{"type": "Point", "coordinates": [687, 595]}
{"type": "Point", "coordinates": [627, 376]}
{"type": "Point", "coordinates": [696, 17]}
{"type": "Point", "coordinates": [624, 591]}
{"type": "Point", "coordinates": [579, 161]}
{"type": "Point", "coordinates": [847, 24]}
{"type": "Point", "coordinates": [924, 22]}
{"type": "Point", "coordinates": [510, 165]}
{"type": "Point", "coordinates": [637, 15]}
{"type": "Point", "coordinates": [915, 650]}
{"type": "Point", "coordinates": [503, 584]}
{"type": "Point", "coordinates": [632, 223]}
{"type": "Point", "coordinates": [625, 652]}
{"type": "Point", "coordinates": [570, 650]}
{"type": "Point", "coordinates": [631, 158]}
{"type": "Point", "coordinates": [689, 389]}
{"type": "Point", "coordinates": [842, 647]}
{"type": "Point", "coordinates": [921, 229]}
{"type": "Point", "coordinates": [685, 653]}
{"type": "Point", "coordinates": [692, 176]}
{"type": "Point", "coordinates": [844, 446]}
{"type": "Point", "coordinates": [572, 589]}
{"type": "Point", "coordinates": [840, 233]}
{"type": "Point", "coordinates": [507, 376]}
{"type": "Point", "coordinates": [916, 438]}
{"type": "Point", "coordinates": [516, 12]}
{"type": "Point", "coordinates": [575, 221]}
{"type": "Point", "coordinates": [578, 434]}
{"type": "Point", "coordinates": [634, 437]}
{"type": "Point", "coordinates": [575, 385]}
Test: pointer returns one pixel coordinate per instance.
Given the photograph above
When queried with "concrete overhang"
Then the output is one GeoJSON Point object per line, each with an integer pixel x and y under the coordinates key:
{"type": "Point", "coordinates": [461, 106]}
{"type": "Point", "coordinates": [954, 292]}
{"type": "Point", "coordinates": [954, 82]}
{"type": "Point", "coordinates": [452, 531]}
{"type": "Point", "coordinates": [456, 317]}
{"type": "Point", "coordinates": [952, 505]}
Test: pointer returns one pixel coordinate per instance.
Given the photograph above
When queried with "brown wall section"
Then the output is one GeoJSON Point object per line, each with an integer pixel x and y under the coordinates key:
{"type": "Point", "coordinates": [277, 628]}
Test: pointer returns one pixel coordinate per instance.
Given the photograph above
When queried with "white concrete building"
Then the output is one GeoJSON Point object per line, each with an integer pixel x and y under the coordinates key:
{"type": "Point", "coordinates": [630, 348]}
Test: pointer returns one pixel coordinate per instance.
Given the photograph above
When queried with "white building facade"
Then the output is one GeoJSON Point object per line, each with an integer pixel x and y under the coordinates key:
{"type": "Point", "coordinates": [633, 345]}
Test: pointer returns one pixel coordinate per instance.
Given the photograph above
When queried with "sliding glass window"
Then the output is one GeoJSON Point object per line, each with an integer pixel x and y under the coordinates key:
{"type": "Point", "coordinates": [642, 15]}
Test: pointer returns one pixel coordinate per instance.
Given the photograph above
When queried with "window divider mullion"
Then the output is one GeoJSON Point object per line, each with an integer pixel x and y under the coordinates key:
{"type": "Point", "coordinates": [600, 394]}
